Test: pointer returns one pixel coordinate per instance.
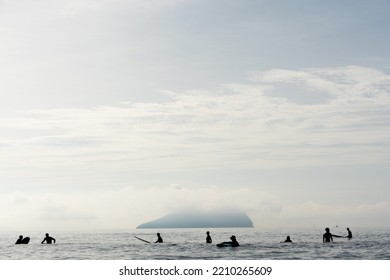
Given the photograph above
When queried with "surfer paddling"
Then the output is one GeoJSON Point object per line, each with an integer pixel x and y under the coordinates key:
{"type": "Point", "coordinates": [232, 243]}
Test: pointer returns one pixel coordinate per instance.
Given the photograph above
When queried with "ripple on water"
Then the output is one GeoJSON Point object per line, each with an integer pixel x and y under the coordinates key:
{"type": "Point", "coordinates": [190, 244]}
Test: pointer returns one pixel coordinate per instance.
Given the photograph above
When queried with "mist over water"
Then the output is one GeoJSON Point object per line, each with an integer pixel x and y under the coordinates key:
{"type": "Point", "coordinates": [367, 244]}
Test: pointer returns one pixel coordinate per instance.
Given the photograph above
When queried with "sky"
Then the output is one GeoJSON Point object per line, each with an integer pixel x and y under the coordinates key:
{"type": "Point", "coordinates": [114, 113]}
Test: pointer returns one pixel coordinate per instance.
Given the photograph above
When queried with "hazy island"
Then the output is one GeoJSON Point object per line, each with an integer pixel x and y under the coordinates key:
{"type": "Point", "coordinates": [197, 219]}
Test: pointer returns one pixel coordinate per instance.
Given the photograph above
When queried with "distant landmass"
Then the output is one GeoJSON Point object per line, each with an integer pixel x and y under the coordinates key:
{"type": "Point", "coordinates": [196, 219]}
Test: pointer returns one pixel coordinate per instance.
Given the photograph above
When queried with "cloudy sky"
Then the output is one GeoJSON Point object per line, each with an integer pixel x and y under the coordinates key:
{"type": "Point", "coordinates": [114, 112]}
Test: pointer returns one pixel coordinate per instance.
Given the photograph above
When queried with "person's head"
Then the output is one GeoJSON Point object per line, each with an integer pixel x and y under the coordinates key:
{"type": "Point", "coordinates": [207, 232]}
{"type": "Point", "coordinates": [20, 236]}
{"type": "Point", "coordinates": [158, 234]}
{"type": "Point", "coordinates": [47, 234]}
{"type": "Point", "coordinates": [233, 238]}
{"type": "Point", "coordinates": [347, 228]}
{"type": "Point", "coordinates": [327, 229]}
{"type": "Point", "coordinates": [288, 237]}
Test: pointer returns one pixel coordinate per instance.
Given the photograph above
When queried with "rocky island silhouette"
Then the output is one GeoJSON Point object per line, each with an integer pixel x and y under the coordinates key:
{"type": "Point", "coordinates": [201, 219]}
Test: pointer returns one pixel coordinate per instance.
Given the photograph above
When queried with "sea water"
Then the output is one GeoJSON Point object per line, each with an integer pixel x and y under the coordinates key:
{"type": "Point", "coordinates": [190, 244]}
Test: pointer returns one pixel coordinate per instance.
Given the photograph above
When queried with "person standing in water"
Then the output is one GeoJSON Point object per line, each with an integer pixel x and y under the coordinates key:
{"type": "Point", "coordinates": [48, 239]}
{"type": "Point", "coordinates": [159, 238]}
{"type": "Point", "coordinates": [349, 233]}
{"type": "Point", "coordinates": [327, 237]}
{"type": "Point", "coordinates": [208, 237]}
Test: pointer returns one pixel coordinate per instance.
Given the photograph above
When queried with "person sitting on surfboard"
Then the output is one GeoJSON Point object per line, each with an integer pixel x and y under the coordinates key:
{"type": "Point", "coordinates": [22, 240]}
{"type": "Point", "coordinates": [48, 239]}
{"type": "Point", "coordinates": [349, 233]}
{"type": "Point", "coordinates": [159, 238]}
{"type": "Point", "coordinates": [208, 237]}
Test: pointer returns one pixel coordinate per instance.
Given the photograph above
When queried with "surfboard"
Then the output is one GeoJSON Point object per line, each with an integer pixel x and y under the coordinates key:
{"type": "Point", "coordinates": [141, 239]}
{"type": "Point", "coordinates": [225, 244]}
{"type": "Point", "coordinates": [26, 240]}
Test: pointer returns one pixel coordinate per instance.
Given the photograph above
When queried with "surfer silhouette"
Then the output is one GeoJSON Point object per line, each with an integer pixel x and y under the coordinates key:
{"type": "Point", "coordinates": [22, 240]}
{"type": "Point", "coordinates": [48, 239]}
{"type": "Point", "coordinates": [159, 238]}
{"type": "Point", "coordinates": [349, 233]}
{"type": "Point", "coordinates": [208, 237]}
{"type": "Point", "coordinates": [232, 243]}
{"type": "Point", "coordinates": [327, 237]}
{"type": "Point", "coordinates": [288, 239]}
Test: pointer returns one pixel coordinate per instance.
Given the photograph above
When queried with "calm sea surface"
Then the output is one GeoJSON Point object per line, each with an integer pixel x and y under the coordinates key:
{"type": "Point", "coordinates": [179, 244]}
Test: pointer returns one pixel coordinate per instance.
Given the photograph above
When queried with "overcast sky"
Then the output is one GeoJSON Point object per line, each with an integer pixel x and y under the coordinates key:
{"type": "Point", "coordinates": [114, 112]}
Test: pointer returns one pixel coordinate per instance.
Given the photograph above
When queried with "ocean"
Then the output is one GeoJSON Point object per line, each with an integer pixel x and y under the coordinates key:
{"type": "Point", "coordinates": [189, 244]}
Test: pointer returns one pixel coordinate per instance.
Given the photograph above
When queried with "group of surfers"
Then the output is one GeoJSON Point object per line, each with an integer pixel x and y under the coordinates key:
{"type": "Point", "coordinates": [327, 237]}
{"type": "Point", "coordinates": [232, 243]}
{"type": "Point", "coordinates": [25, 240]}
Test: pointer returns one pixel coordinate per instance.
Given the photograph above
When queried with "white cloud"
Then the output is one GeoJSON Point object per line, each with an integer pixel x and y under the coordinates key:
{"type": "Point", "coordinates": [241, 125]}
